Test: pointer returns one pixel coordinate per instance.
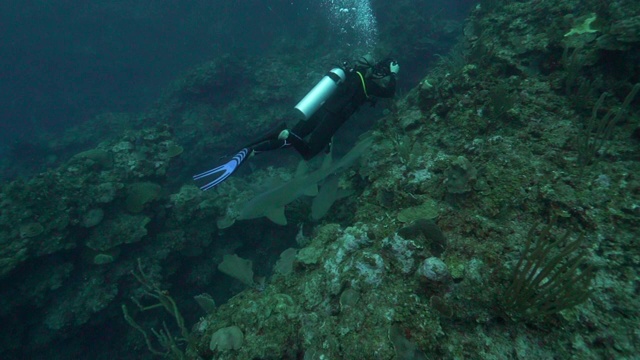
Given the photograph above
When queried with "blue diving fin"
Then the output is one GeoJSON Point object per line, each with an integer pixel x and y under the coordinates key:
{"type": "Point", "coordinates": [219, 174]}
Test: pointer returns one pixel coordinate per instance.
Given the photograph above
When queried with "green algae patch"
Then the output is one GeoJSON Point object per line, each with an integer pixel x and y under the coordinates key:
{"type": "Point", "coordinates": [140, 194]}
{"type": "Point", "coordinates": [30, 230]}
{"type": "Point", "coordinates": [174, 150]}
{"type": "Point", "coordinates": [99, 157]}
{"type": "Point", "coordinates": [427, 210]}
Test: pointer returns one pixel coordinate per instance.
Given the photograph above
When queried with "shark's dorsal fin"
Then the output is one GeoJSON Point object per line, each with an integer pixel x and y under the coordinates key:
{"type": "Point", "coordinates": [343, 193]}
{"type": "Point", "coordinates": [326, 197]}
{"type": "Point", "coordinates": [302, 169]}
{"type": "Point", "coordinates": [311, 190]}
{"type": "Point", "coordinates": [328, 160]}
{"type": "Point", "coordinates": [276, 215]}
{"type": "Point", "coordinates": [271, 203]}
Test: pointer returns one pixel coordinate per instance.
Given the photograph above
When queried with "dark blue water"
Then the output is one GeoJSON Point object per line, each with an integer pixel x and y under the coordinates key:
{"type": "Point", "coordinates": [66, 61]}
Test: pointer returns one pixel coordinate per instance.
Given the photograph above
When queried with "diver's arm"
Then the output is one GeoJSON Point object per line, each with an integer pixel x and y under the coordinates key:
{"type": "Point", "coordinates": [375, 89]}
{"type": "Point", "coordinates": [387, 91]}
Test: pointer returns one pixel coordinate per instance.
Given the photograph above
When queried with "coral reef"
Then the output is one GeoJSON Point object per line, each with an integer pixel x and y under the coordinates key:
{"type": "Point", "coordinates": [436, 253]}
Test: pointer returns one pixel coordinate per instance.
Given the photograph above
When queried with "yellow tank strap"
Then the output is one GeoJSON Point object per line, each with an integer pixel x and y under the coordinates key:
{"type": "Point", "coordinates": [364, 87]}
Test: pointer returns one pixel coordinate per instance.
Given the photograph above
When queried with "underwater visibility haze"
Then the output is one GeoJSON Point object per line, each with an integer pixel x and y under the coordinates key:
{"type": "Point", "coordinates": [471, 188]}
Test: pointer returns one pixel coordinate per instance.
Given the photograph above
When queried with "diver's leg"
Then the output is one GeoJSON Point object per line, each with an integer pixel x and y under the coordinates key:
{"type": "Point", "coordinates": [215, 176]}
{"type": "Point", "coordinates": [275, 139]}
{"type": "Point", "coordinates": [301, 146]}
{"type": "Point", "coordinates": [302, 129]}
{"type": "Point", "coordinates": [270, 135]}
{"type": "Point", "coordinates": [271, 145]}
{"type": "Point", "coordinates": [321, 137]}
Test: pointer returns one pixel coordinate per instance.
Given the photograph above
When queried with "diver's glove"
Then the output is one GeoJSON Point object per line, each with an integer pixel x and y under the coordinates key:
{"type": "Point", "coordinates": [394, 67]}
{"type": "Point", "coordinates": [222, 172]}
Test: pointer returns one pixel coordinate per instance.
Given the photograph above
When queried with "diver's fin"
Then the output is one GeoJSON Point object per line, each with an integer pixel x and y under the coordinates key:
{"type": "Point", "coordinates": [219, 174]}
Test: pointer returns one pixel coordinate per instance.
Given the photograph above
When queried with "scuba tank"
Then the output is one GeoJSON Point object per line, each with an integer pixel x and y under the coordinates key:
{"type": "Point", "coordinates": [311, 102]}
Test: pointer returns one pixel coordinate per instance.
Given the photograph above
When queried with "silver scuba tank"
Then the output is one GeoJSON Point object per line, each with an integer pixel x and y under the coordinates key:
{"type": "Point", "coordinates": [311, 102]}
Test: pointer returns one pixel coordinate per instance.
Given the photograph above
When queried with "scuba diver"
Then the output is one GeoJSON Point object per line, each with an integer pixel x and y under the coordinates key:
{"type": "Point", "coordinates": [338, 95]}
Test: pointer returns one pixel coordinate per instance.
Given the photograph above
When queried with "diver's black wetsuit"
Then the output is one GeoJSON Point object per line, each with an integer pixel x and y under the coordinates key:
{"type": "Point", "coordinates": [319, 128]}
{"type": "Point", "coordinates": [322, 125]}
